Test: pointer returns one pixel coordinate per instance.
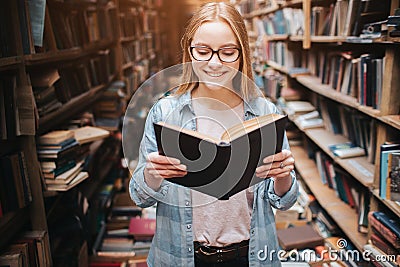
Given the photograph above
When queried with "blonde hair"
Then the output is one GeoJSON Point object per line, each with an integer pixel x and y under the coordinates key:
{"type": "Point", "coordinates": [211, 12]}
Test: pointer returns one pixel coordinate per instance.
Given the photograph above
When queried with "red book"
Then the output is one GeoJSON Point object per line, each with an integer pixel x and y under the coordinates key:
{"type": "Point", "coordinates": [142, 229]}
{"type": "Point", "coordinates": [383, 230]}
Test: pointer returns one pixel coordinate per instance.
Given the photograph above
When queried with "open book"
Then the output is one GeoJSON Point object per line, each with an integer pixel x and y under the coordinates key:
{"type": "Point", "coordinates": [222, 167]}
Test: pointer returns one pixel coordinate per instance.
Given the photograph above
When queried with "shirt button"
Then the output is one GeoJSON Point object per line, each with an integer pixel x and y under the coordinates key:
{"type": "Point", "coordinates": [190, 249]}
{"type": "Point", "coordinates": [187, 203]}
{"type": "Point", "coordinates": [252, 253]}
{"type": "Point", "coordinates": [252, 232]}
{"type": "Point", "coordinates": [188, 226]}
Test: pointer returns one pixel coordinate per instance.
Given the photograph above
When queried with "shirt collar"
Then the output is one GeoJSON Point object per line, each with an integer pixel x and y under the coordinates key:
{"type": "Point", "coordinates": [185, 100]}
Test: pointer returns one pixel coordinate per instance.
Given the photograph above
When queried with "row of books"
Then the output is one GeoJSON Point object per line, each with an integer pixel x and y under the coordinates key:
{"type": "Point", "coordinates": [125, 234]}
{"type": "Point", "coordinates": [28, 249]}
{"type": "Point", "coordinates": [62, 156]}
{"type": "Point", "coordinates": [359, 76]}
{"type": "Point", "coordinates": [294, 61]}
{"type": "Point", "coordinates": [15, 187]}
{"type": "Point", "coordinates": [53, 87]}
{"type": "Point", "coordinates": [134, 51]}
{"type": "Point", "coordinates": [389, 177]}
{"type": "Point", "coordinates": [135, 22]}
{"type": "Point", "coordinates": [79, 25]}
{"type": "Point", "coordinates": [288, 21]}
{"type": "Point", "coordinates": [346, 189]}
{"type": "Point", "coordinates": [385, 237]}
{"type": "Point", "coordinates": [306, 232]}
{"type": "Point", "coordinates": [358, 128]}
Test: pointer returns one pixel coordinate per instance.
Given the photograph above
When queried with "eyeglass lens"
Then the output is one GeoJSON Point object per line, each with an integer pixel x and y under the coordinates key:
{"type": "Point", "coordinates": [203, 53]}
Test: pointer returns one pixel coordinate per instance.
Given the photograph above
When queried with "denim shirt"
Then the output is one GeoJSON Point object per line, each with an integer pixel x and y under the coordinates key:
{"type": "Point", "coordinates": [173, 240]}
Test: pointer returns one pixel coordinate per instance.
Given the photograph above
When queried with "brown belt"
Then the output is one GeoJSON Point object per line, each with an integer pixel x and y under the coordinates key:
{"type": "Point", "coordinates": [211, 254]}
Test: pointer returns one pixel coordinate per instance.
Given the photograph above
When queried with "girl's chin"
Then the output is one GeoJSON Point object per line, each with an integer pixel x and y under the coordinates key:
{"type": "Point", "coordinates": [215, 86]}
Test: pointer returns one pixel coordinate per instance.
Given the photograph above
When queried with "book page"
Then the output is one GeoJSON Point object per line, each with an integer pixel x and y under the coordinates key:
{"type": "Point", "coordinates": [190, 132]}
{"type": "Point", "coordinates": [248, 126]}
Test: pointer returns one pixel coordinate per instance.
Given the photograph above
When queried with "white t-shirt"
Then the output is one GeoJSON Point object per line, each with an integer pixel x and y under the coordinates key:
{"type": "Point", "coordinates": [220, 222]}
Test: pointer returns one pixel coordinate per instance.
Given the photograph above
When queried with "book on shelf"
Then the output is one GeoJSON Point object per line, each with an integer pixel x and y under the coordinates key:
{"type": "Point", "coordinates": [392, 224]}
{"type": "Point", "coordinates": [299, 237]}
{"type": "Point", "coordinates": [211, 161]}
{"type": "Point", "coordinates": [55, 137]}
{"type": "Point", "coordinates": [65, 177]}
{"type": "Point", "coordinates": [41, 243]}
{"type": "Point", "coordinates": [346, 150]}
{"type": "Point", "coordinates": [12, 259]}
{"type": "Point", "coordinates": [65, 187]}
{"type": "Point", "coordinates": [393, 177]}
{"type": "Point", "coordinates": [380, 242]}
{"type": "Point", "coordinates": [88, 134]}
{"type": "Point", "coordinates": [298, 107]}
{"type": "Point", "coordinates": [15, 188]}
{"type": "Point", "coordinates": [142, 229]}
{"type": "Point", "coordinates": [385, 150]}
{"type": "Point", "coordinates": [309, 120]}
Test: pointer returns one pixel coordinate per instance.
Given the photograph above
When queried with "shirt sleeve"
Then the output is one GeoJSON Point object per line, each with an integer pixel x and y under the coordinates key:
{"type": "Point", "coordinates": [287, 200]}
{"type": "Point", "coordinates": [140, 192]}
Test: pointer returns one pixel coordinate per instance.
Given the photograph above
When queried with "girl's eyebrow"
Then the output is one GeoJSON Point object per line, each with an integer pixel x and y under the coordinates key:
{"type": "Point", "coordinates": [225, 45]}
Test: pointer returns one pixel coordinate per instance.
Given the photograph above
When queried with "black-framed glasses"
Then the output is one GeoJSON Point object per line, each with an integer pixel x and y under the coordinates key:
{"type": "Point", "coordinates": [205, 53]}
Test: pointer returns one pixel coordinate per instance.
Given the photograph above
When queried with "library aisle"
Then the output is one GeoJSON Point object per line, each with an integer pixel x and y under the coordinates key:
{"type": "Point", "coordinates": [69, 69]}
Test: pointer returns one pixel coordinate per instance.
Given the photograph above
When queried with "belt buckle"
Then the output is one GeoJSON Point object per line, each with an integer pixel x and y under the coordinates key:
{"type": "Point", "coordinates": [220, 255]}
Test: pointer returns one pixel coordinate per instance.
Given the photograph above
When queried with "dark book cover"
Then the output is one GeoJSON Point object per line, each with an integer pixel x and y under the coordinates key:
{"type": "Point", "coordinates": [394, 226]}
{"type": "Point", "coordinates": [221, 170]}
{"type": "Point", "coordinates": [299, 237]}
{"type": "Point", "coordinates": [384, 231]}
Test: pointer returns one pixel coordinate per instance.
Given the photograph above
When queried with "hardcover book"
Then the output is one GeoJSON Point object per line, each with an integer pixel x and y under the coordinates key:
{"type": "Point", "coordinates": [222, 167]}
{"type": "Point", "coordinates": [299, 237]}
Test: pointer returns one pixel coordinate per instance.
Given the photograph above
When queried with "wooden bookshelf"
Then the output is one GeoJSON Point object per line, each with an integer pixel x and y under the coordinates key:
{"type": "Point", "coordinates": [344, 216]}
{"type": "Point", "coordinates": [11, 223]}
{"type": "Point", "coordinates": [358, 167]}
{"type": "Point", "coordinates": [70, 54]}
{"type": "Point", "coordinates": [314, 54]}
{"type": "Point", "coordinates": [85, 35]}
{"type": "Point", "coordinates": [393, 206]}
{"type": "Point", "coordinates": [72, 107]}
{"type": "Point", "coordinates": [9, 63]}
{"type": "Point", "coordinates": [328, 39]}
{"type": "Point", "coordinates": [314, 83]}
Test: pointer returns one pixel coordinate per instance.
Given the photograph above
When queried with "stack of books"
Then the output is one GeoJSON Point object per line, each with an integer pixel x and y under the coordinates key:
{"type": "Point", "coordinates": [61, 161]}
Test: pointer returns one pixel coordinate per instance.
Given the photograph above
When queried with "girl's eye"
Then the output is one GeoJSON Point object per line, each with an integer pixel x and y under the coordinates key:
{"type": "Point", "coordinates": [203, 51]}
{"type": "Point", "coordinates": [228, 52]}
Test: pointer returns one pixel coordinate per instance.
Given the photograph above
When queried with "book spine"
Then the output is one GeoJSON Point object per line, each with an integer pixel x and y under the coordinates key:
{"type": "Point", "coordinates": [383, 230]}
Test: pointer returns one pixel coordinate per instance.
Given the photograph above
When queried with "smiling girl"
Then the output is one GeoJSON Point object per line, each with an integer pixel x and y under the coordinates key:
{"type": "Point", "coordinates": [194, 229]}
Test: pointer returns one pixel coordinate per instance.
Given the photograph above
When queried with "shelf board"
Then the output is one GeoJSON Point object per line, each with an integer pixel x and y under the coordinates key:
{"type": "Point", "coordinates": [344, 216]}
{"type": "Point", "coordinates": [358, 167]}
{"type": "Point", "coordinates": [67, 54]}
{"type": "Point", "coordinates": [296, 38]}
{"type": "Point", "coordinates": [392, 120]}
{"type": "Point", "coordinates": [314, 84]}
{"type": "Point", "coordinates": [276, 37]}
{"type": "Point", "coordinates": [261, 12]}
{"type": "Point", "coordinates": [7, 63]}
{"type": "Point", "coordinates": [393, 206]}
{"type": "Point", "coordinates": [128, 39]}
{"type": "Point", "coordinates": [72, 107]}
{"type": "Point", "coordinates": [277, 66]}
{"type": "Point", "coordinates": [327, 39]}
{"type": "Point", "coordinates": [11, 224]}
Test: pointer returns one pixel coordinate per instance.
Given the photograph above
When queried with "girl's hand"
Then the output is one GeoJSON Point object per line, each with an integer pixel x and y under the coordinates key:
{"type": "Point", "coordinates": [161, 167]}
{"type": "Point", "coordinates": [279, 165]}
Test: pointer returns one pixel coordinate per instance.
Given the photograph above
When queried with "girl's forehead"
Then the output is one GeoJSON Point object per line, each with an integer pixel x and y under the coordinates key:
{"type": "Point", "coordinates": [215, 32]}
